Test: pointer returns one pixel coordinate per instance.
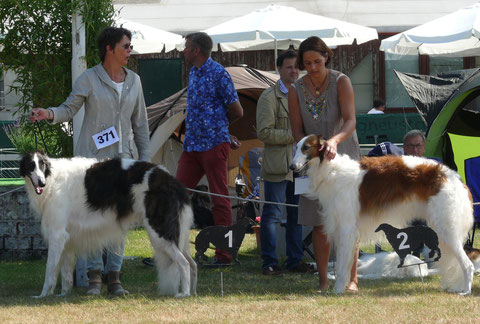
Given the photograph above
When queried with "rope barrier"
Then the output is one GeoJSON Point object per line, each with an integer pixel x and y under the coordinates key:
{"type": "Point", "coordinates": [242, 199]}
{"type": "Point", "coordinates": [255, 200]}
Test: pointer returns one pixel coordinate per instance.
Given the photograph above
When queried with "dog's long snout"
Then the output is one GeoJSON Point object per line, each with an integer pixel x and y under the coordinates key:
{"type": "Point", "coordinates": [296, 166]}
{"type": "Point", "coordinates": [38, 181]}
{"type": "Point", "coordinates": [298, 163]}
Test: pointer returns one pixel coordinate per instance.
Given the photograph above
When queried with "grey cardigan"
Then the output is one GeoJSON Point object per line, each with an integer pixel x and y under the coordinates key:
{"type": "Point", "coordinates": [103, 109]}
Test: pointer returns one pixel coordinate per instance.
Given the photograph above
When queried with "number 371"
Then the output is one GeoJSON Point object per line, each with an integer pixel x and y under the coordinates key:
{"type": "Point", "coordinates": [105, 137]}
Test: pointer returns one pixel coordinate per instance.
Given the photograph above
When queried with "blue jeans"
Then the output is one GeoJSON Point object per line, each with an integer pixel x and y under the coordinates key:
{"type": "Point", "coordinates": [280, 192]}
{"type": "Point", "coordinates": [114, 259]}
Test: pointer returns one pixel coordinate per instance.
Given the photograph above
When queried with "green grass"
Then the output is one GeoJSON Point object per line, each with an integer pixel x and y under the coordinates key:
{"type": "Point", "coordinates": [248, 296]}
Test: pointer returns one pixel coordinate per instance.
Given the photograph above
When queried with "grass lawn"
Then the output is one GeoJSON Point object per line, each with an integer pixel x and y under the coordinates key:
{"type": "Point", "coordinates": [249, 297]}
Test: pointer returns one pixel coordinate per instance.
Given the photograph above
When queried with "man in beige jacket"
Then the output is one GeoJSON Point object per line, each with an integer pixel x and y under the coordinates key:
{"type": "Point", "coordinates": [273, 126]}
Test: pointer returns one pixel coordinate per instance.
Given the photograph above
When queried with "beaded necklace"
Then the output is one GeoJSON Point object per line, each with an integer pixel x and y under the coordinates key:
{"type": "Point", "coordinates": [315, 106]}
{"type": "Point", "coordinates": [317, 89]}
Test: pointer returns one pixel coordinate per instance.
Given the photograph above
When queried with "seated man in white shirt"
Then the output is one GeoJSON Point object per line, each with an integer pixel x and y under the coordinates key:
{"type": "Point", "coordinates": [378, 107]}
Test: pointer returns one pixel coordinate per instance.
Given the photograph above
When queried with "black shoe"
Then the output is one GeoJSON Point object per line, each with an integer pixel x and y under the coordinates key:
{"type": "Point", "coordinates": [149, 262]}
{"type": "Point", "coordinates": [302, 267]}
{"type": "Point", "coordinates": [216, 263]}
{"type": "Point", "coordinates": [272, 271]}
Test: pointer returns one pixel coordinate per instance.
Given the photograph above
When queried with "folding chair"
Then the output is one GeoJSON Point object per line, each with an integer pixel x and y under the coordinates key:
{"type": "Point", "coordinates": [247, 183]}
{"type": "Point", "coordinates": [472, 178]}
{"type": "Point", "coordinates": [249, 166]}
{"type": "Point", "coordinates": [385, 148]}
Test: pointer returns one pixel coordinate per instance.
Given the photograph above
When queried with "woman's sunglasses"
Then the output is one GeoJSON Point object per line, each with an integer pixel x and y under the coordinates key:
{"type": "Point", "coordinates": [127, 46]}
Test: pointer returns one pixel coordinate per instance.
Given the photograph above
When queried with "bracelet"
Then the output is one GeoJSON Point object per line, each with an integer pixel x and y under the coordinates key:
{"type": "Point", "coordinates": [50, 114]}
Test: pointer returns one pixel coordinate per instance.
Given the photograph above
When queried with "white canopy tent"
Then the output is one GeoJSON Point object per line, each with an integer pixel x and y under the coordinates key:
{"type": "Point", "coordinates": [278, 27]}
{"type": "Point", "coordinates": [186, 16]}
{"type": "Point", "coordinates": [146, 39]}
{"type": "Point", "coordinates": [454, 35]}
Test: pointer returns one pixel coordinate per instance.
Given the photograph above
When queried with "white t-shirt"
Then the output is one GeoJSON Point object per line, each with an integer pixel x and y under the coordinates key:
{"type": "Point", "coordinates": [119, 88]}
{"type": "Point", "coordinates": [375, 111]}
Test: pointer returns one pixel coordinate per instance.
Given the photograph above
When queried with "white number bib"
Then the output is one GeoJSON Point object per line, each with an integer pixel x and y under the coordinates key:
{"type": "Point", "coordinates": [106, 138]}
{"type": "Point", "coordinates": [302, 185]}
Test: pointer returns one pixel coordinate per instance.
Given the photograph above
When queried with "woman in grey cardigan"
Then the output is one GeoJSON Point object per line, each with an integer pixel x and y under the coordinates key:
{"type": "Point", "coordinates": [114, 104]}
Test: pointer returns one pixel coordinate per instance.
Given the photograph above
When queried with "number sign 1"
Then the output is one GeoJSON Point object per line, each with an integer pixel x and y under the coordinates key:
{"type": "Point", "coordinates": [229, 235]}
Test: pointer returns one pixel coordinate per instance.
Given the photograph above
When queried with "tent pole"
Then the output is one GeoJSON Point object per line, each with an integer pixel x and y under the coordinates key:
{"type": "Point", "coordinates": [275, 55]}
{"type": "Point", "coordinates": [79, 64]}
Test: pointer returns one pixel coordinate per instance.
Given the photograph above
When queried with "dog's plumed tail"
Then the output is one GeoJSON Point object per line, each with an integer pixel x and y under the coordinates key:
{"type": "Point", "coordinates": [455, 267]}
{"type": "Point", "coordinates": [186, 221]}
{"type": "Point", "coordinates": [451, 274]}
{"type": "Point", "coordinates": [174, 263]}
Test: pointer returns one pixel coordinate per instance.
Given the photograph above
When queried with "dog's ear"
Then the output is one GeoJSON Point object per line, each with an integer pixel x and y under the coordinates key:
{"type": "Point", "coordinates": [48, 166]}
{"type": "Point", "coordinates": [25, 165]}
{"type": "Point", "coordinates": [321, 147]}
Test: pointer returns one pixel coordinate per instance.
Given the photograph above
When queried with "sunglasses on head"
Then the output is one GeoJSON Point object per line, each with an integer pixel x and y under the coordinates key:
{"type": "Point", "coordinates": [127, 46]}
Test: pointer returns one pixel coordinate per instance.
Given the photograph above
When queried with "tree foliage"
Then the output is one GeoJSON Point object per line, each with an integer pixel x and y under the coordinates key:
{"type": "Point", "coordinates": [36, 37]}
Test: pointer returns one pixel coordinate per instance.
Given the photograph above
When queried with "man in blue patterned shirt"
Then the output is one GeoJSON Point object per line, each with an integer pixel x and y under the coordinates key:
{"type": "Point", "coordinates": [212, 104]}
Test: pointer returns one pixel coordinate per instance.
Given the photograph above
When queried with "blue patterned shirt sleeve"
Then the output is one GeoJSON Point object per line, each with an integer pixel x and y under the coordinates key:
{"type": "Point", "coordinates": [210, 91]}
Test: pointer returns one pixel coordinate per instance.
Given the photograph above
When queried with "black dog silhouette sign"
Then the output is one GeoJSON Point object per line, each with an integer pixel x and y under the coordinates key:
{"type": "Point", "coordinates": [227, 238]}
{"type": "Point", "coordinates": [407, 240]}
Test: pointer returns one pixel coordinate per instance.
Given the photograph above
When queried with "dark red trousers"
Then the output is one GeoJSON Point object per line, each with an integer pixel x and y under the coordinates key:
{"type": "Point", "coordinates": [192, 166]}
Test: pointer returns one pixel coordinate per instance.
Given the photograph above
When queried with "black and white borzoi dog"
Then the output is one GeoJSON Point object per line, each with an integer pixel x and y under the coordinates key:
{"type": "Point", "coordinates": [86, 204]}
{"type": "Point", "coordinates": [357, 196]}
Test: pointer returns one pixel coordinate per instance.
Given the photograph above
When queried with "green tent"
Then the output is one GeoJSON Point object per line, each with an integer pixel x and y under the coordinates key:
{"type": "Point", "coordinates": [449, 106]}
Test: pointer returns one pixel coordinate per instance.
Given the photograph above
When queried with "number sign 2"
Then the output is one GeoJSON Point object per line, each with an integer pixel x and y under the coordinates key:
{"type": "Point", "coordinates": [407, 240]}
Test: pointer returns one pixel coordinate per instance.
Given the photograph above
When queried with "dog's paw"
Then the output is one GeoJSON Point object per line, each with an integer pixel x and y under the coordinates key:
{"type": "Point", "coordinates": [44, 294]}
{"type": "Point", "coordinates": [181, 295]}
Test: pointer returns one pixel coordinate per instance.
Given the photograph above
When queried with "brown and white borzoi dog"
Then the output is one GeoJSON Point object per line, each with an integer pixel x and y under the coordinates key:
{"type": "Point", "coordinates": [357, 196]}
{"type": "Point", "coordinates": [85, 205]}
